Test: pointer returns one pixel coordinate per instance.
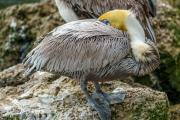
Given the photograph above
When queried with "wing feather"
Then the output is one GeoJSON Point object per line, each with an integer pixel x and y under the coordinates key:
{"type": "Point", "coordinates": [95, 8]}
{"type": "Point", "coordinates": [83, 45]}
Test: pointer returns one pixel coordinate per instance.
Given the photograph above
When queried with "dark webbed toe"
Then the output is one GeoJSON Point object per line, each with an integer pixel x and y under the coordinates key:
{"type": "Point", "coordinates": [111, 98]}
{"type": "Point", "coordinates": [102, 108]}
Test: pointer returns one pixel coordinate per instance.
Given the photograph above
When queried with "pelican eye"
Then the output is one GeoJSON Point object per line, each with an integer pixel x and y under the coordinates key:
{"type": "Point", "coordinates": [105, 21]}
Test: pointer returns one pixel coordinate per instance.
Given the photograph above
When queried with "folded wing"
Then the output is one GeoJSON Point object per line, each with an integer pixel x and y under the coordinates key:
{"type": "Point", "coordinates": [84, 45]}
{"type": "Point", "coordinates": [94, 8]}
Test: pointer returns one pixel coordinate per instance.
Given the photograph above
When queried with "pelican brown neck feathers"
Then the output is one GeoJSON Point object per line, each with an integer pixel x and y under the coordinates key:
{"type": "Point", "coordinates": [125, 20]}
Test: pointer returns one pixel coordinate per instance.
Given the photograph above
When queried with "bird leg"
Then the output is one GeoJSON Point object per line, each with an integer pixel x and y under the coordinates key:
{"type": "Point", "coordinates": [103, 110]}
{"type": "Point", "coordinates": [99, 94]}
{"type": "Point", "coordinates": [111, 98]}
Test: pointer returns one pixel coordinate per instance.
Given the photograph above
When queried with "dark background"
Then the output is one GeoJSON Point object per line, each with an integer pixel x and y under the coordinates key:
{"type": "Point", "coordinates": [6, 3]}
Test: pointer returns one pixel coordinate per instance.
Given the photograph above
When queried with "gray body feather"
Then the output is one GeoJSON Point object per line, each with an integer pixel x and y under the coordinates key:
{"type": "Point", "coordinates": [89, 49]}
{"type": "Point", "coordinates": [143, 9]}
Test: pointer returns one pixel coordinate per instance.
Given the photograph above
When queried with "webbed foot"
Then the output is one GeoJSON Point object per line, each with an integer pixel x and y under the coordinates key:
{"type": "Point", "coordinates": [111, 98]}
{"type": "Point", "coordinates": [103, 109]}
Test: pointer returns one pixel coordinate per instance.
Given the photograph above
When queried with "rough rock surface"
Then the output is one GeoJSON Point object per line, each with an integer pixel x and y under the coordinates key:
{"type": "Point", "coordinates": [175, 112]}
{"type": "Point", "coordinates": [46, 96]}
{"type": "Point", "coordinates": [12, 77]}
{"type": "Point", "coordinates": [21, 25]}
{"type": "Point", "coordinates": [167, 29]}
{"type": "Point", "coordinates": [167, 24]}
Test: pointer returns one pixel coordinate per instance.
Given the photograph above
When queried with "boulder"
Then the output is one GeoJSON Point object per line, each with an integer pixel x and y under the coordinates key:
{"type": "Point", "coordinates": [21, 26]}
{"type": "Point", "coordinates": [47, 96]}
{"type": "Point", "coordinates": [167, 29]}
{"type": "Point", "coordinates": [175, 112]}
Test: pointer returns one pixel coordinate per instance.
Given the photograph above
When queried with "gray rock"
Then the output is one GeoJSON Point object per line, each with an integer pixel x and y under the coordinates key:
{"type": "Point", "coordinates": [46, 97]}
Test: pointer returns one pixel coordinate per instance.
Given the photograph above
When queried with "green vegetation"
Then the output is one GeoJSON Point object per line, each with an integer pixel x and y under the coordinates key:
{"type": "Point", "coordinates": [16, 44]}
{"type": "Point", "coordinates": [167, 76]}
{"type": "Point", "coordinates": [169, 71]}
{"type": "Point", "coordinates": [175, 3]}
{"type": "Point", "coordinates": [21, 26]}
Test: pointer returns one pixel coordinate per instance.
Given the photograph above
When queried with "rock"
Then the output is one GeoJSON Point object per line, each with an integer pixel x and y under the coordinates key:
{"type": "Point", "coordinates": [174, 3]}
{"type": "Point", "coordinates": [167, 29]}
{"type": "Point", "coordinates": [167, 24]}
{"type": "Point", "coordinates": [21, 26]}
{"type": "Point", "coordinates": [26, 97]}
{"type": "Point", "coordinates": [175, 112]}
{"type": "Point", "coordinates": [46, 96]}
{"type": "Point", "coordinates": [12, 77]}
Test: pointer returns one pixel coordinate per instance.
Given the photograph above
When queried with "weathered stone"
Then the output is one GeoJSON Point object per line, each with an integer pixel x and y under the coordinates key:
{"type": "Point", "coordinates": [167, 29]}
{"type": "Point", "coordinates": [10, 77]}
{"type": "Point", "coordinates": [47, 97]}
{"type": "Point", "coordinates": [21, 26]}
{"type": "Point", "coordinates": [175, 112]}
{"type": "Point", "coordinates": [31, 21]}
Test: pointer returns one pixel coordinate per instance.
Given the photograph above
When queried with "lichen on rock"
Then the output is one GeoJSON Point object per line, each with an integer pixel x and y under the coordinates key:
{"type": "Point", "coordinates": [175, 112]}
{"type": "Point", "coordinates": [47, 96]}
{"type": "Point", "coordinates": [44, 95]}
{"type": "Point", "coordinates": [167, 30]}
{"type": "Point", "coordinates": [21, 26]}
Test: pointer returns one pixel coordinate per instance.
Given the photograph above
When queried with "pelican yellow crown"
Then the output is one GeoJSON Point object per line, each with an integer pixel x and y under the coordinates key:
{"type": "Point", "coordinates": [116, 18]}
{"type": "Point", "coordinates": [125, 20]}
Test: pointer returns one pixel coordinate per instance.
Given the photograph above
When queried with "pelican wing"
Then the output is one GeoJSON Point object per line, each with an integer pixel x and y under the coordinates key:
{"type": "Point", "coordinates": [80, 45]}
{"type": "Point", "coordinates": [94, 8]}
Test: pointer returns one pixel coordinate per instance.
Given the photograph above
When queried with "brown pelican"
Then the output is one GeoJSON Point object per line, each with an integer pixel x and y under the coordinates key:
{"type": "Point", "coordinates": [71, 10]}
{"type": "Point", "coordinates": [114, 46]}
{"type": "Point", "coordinates": [144, 10]}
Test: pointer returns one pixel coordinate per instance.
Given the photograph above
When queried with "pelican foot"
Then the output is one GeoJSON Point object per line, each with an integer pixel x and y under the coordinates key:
{"type": "Point", "coordinates": [111, 98]}
{"type": "Point", "coordinates": [102, 108]}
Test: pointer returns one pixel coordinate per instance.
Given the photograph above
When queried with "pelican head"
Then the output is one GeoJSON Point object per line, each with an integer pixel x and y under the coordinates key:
{"type": "Point", "coordinates": [125, 20]}
{"type": "Point", "coordinates": [116, 18]}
